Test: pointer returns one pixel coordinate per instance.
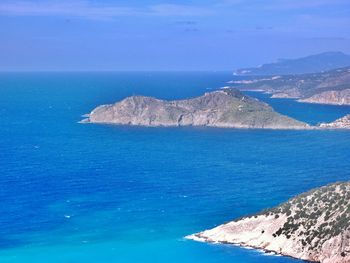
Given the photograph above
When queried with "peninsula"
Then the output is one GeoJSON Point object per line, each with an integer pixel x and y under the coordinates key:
{"type": "Point", "coordinates": [313, 226]}
{"type": "Point", "coordinates": [228, 108]}
{"type": "Point", "coordinates": [329, 87]}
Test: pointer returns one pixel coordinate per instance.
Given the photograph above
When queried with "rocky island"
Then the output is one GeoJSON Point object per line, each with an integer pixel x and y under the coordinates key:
{"type": "Point", "coordinates": [314, 226]}
{"type": "Point", "coordinates": [227, 108]}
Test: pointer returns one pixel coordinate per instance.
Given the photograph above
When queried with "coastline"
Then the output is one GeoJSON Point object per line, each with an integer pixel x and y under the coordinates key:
{"type": "Point", "coordinates": [194, 237]}
{"type": "Point", "coordinates": [295, 98]}
{"type": "Point", "coordinates": [86, 121]}
{"type": "Point", "coordinates": [311, 226]}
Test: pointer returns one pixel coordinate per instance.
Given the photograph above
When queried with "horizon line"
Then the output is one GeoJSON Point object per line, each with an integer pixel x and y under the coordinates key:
{"type": "Point", "coordinates": [112, 70]}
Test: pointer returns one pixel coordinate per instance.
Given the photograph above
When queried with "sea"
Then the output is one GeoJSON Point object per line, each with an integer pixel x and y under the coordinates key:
{"type": "Point", "coordinates": [72, 193]}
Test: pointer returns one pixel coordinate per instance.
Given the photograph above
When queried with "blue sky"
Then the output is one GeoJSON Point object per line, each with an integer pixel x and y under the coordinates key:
{"type": "Point", "coordinates": [166, 35]}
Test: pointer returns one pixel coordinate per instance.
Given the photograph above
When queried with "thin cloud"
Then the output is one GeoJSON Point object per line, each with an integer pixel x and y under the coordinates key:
{"type": "Point", "coordinates": [329, 38]}
{"type": "Point", "coordinates": [297, 4]}
{"type": "Point", "coordinates": [179, 10]}
{"type": "Point", "coordinates": [86, 9]}
{"type": "Point", "coordinates": [76, 8]}
{"type": "Point", "coordinates": [186, 22]}
{"type": "Point", "coordinates": [192, 30]}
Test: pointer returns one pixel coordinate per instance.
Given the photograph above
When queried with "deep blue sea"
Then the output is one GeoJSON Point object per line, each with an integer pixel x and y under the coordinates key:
{"type": "Point", "coordinates": [88, 193]}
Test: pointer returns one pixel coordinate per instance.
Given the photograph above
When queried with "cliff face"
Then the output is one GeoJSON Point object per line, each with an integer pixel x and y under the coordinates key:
{"type": "Point", "coordinates": [335, 97]}
{"type": "Point", "coordinates": [314, 226]}
{"type": "Point", "coordinates": [224, 108]}
{"type": "Point", "coordinates": [342, 123]}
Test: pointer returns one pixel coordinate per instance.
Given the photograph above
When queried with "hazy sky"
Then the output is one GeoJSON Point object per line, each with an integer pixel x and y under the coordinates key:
{"type": "Point", "coordinates": [167, 35]}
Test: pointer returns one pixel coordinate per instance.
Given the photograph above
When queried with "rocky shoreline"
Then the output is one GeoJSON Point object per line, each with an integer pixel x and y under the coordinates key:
{"type": "Point", "coordinates": [342, 123]}
{"type": "Point", "coordinates": [313, 226]}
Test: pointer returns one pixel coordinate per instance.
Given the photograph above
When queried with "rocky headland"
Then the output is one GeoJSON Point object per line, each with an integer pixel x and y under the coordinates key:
{"type": "Point", "coordinates": [314, 226]}
{"type": "Point", "coordinates": [228, 108]}
{"type": "Point", "coordinates": [333, 97]}
{"type": "Point", "coordinates": [342, 123]}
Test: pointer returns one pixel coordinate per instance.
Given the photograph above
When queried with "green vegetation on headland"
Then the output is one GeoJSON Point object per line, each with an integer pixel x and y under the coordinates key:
{"type": "Point", "coordinates": [313, 226]}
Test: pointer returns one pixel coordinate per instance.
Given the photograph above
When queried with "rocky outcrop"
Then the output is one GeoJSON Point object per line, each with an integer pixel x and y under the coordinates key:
{"type": "Point", "coordinates": [342, 123]}
{"type": "Point", "coordinates": [334, 97]}
{"type": "Point", "coordinates": [314, 226]}
{"type": "Point", "coordinates": [227, 108]}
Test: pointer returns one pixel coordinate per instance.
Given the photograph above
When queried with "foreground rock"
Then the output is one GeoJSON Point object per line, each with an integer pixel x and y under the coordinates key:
{"type": "Point", "coordinates": [314, 226]}
{"type": "Point", "coordinates": [224, 108]}
{"type": "Point", "coordinates": [342, 123]}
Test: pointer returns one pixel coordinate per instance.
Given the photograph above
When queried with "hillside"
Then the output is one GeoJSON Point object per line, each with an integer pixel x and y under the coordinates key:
{"type": "Point", "coordinates": [224, 108]}
{"type": "Point", "coordinates": [313, 226]}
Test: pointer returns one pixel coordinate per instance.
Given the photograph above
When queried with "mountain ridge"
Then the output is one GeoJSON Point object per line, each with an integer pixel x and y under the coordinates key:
{"type": "Point", "coordinates": [310, 64]}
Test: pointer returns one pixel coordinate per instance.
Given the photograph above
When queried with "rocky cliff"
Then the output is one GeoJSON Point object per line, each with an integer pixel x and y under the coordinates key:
{"type": "Point", "coordinates": [224, 108]}
{"type": "Point", "coordinates": [334, 97]}
{"type": "Point", "coordinates": [314, 226]}
{"type": "Point", "coordinates": [342, 123]}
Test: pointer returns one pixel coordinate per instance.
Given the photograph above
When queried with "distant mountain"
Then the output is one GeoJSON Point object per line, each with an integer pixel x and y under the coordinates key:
{"type": "Point", "coordinates": [310, 64]}
{"type": "Point", "coordinates": [330, 87]}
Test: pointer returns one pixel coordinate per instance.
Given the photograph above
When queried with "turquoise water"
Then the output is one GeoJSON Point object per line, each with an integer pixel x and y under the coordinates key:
{"type": "Point", "coordinates": [88, 193]}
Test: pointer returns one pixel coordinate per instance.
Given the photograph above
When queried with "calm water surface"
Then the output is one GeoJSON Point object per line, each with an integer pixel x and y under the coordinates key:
{"type": "Point", "coordinates": [88, 193]}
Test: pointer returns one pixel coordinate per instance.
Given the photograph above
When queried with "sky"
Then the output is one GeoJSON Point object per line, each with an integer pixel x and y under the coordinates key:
{"type": "Point", "coordinates": [153, 35]}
